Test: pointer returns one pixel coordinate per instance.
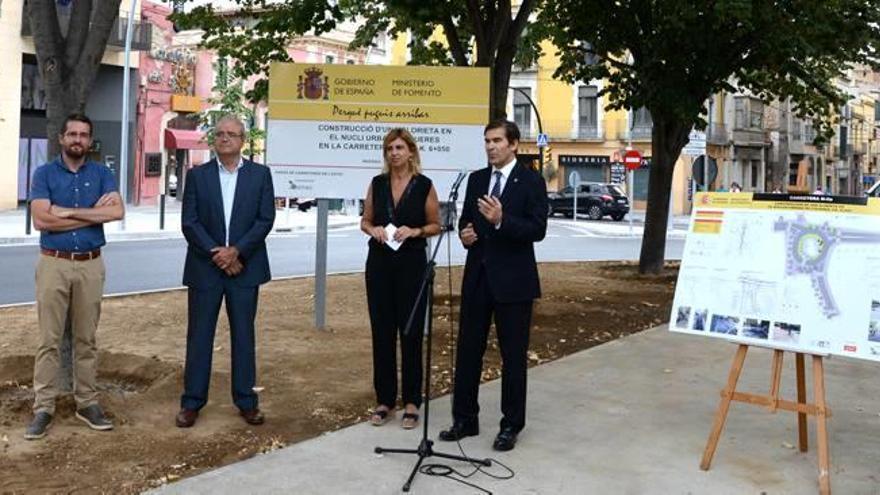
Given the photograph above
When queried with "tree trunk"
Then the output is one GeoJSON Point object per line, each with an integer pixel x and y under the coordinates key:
{"type": "Point", "coordinates": [498, 36]}
{"type": "Point", "coordinates": [668, 137]}
{"type": "Point", "coordinates": [58, 107]}
{"type": "Point", "coordinates": [69, 64]}
{"type": "Point", "coordinates": [501, 77]}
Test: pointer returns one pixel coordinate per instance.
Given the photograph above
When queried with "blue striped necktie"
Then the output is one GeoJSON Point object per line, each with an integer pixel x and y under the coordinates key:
{"type": "Point", "coordinates": [496, 189]}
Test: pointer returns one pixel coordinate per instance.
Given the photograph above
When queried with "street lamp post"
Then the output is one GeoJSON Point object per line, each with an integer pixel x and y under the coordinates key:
{"type": "Point", "coordinates": [126, 90]}
{"type": "Point", "coordinates": [540, 127]}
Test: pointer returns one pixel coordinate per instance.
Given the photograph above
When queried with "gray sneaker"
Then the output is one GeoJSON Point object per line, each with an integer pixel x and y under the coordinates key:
{"type": "Point", "coordinates": [37, 428]}
{"type": "Point", "coordinates": [94, 417]}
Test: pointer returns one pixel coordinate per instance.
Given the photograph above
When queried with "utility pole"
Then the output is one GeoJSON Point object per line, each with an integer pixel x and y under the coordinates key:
{"type": "Point", "coordinates": [126, 90]}
{"type": "Point", "coordinates": [540, 127]}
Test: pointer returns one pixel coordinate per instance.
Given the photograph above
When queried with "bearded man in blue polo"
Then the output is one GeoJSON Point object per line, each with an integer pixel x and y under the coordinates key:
{"type": "Point", "coordinates": [71, 199]}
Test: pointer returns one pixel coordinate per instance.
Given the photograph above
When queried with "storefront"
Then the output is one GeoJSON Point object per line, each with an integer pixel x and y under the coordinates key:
{"type": "Point", "coordinates": [590, 168]}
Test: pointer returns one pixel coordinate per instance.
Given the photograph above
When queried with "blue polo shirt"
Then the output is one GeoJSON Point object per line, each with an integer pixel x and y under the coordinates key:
{"type": "Point", "coordinates": [82, 189]}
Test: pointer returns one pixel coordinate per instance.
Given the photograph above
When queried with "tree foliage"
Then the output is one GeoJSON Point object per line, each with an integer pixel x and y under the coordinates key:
{"type": "Point", "coordinates": [671, 55]}
{"type": "Point", "coordinates": [475, 33]}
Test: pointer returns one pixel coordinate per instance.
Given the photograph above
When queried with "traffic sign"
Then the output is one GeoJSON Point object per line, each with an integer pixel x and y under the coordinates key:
{"type": "Point", "coordinates": [543, 140]}
{"type": "Point", "coordinates": [574, 178]}
{"type": "Point", "coordinates": [696, 144]}
{"type": "Point", "coordinates": [632, 159]}
{"type": "Point", "coordinates": [697, 170]}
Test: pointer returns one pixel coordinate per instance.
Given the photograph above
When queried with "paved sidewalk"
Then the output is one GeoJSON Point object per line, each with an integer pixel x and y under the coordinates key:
{"type": "Point", "coordinates": [628, 417]}
{"type": "Point", "coordinates": [143, 222]}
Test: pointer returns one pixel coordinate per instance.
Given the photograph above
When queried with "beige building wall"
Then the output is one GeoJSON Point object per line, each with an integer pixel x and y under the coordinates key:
{"type": "Point", "coordinates": [10, 100]}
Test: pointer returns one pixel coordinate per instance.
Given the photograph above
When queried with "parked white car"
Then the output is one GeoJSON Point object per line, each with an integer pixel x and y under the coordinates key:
{"type": "Point", "coordinates": [172, 185]}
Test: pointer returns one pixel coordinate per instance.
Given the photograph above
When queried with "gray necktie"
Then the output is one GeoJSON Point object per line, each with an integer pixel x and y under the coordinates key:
{"type": "Point", "coordinates": [496, 189]}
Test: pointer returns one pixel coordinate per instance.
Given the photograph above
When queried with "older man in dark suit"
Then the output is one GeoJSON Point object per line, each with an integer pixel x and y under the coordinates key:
{"type": "Point", "coordinates": [228, 210]}
{"type": "Point", "coordinates": [504, 214]}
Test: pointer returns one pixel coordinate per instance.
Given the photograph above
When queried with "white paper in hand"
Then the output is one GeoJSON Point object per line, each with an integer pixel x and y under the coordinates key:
{"type": "Point", "coordinates": [390, 229]}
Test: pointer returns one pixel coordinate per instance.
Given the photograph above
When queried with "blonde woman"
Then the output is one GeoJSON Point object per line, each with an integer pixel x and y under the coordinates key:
{"type": "Point", "coordinates": [401, 196]}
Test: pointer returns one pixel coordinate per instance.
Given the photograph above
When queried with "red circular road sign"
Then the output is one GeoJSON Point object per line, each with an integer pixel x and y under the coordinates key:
{"type": "Point", "coordinates": [632, 159]}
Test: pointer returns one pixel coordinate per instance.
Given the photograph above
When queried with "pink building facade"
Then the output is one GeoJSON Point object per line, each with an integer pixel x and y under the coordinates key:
{"type": "Point", "coordinates": [175, 82]}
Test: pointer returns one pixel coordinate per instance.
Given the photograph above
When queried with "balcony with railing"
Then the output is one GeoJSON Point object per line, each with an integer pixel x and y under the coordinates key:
{"type": "Point", "coordinates": [141, 35]}
{"type": "Point", "coordinates": [563, 130]}
{"type": "Point", "coordinates": [796, 144]}
{"type": "Point", "coordinates": [749, 137]}
{"type": "Point", "coordinates": [809, 135]}
{"type": "Point", "coordinates": [836, 149]}
{"type": "Point", "coordinates": [588, 132]}
{"type": "Point", "coordinates": [638, 133]}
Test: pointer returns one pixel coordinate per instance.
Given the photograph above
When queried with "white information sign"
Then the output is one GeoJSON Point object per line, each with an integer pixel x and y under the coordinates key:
{"type": "Point", "coordinates": [790, 272]}
{"type": "Point", "coordinates": [696, 145]}
{"type": "Point", "coordinates": [327, 122]}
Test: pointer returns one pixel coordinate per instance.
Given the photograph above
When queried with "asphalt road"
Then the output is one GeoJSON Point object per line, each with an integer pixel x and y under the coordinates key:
{"type": "Point", "coordinates": [149, 265]}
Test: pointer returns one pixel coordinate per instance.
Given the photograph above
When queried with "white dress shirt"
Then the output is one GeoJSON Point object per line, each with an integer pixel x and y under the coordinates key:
{"type": "Point", "coordinates": [505, 174]}
{"type": "Point", "coordinates": [228, 181]}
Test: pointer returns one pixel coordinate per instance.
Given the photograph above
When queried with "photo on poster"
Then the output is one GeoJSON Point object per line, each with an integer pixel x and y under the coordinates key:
{"type": "Point", "coordinates": [874, 331]}
{"type": "Point", "coordinates": [875, 310]}
{"type": "Point", "coordinates": [786, 332]}
{"type": "Point", "coordinates": [682, 315]}
{"type": "Point", "coordinates": [756, 329]}
{"type": "Point", "coordinates": [724, 324]}
{"type": "Point", "coordinates": [699, 322]}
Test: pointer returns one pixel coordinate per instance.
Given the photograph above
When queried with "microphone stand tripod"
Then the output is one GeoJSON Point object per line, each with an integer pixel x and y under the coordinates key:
{"type": "Point", "coordinates": [425, 448]}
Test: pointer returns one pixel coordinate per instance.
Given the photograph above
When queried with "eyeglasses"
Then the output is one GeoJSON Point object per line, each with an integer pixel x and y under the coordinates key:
{"type": "Point", "coordinates": [227, 135]}
{"type": "Point", "coordinates": [80, 135]}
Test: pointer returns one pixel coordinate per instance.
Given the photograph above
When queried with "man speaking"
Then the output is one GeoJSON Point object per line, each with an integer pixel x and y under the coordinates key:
{"type": "Point", "coordinates": [504, 214]}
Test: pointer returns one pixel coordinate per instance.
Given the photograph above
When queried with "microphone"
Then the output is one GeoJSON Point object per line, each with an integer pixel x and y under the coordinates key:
{"type": "Point", "coordinates": [453, 193]}
{"type": "Point", "coordinates": [453, 197]}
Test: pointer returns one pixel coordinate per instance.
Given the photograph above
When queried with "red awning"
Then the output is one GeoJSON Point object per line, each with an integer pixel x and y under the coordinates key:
{"type": "Point", "coordinates": [179, 139]}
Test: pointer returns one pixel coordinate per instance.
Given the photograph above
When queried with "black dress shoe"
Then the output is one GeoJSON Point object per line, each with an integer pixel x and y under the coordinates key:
{"type": "Point", "coordinates": [505, 440]}
{"type": "Point", "coordinates": [460, 430]}
{"type": "Point", "coordinates": [253, 417]}
{"type": "Point", "coordinates": [186, 418]}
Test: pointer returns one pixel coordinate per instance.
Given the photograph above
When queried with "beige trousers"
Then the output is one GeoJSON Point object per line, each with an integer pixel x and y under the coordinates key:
{"type": "Point", "coordinates": [65, 289]}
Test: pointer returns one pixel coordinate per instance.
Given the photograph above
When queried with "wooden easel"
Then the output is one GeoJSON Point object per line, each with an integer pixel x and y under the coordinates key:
{"type": "Point", "coordinates": [773, 402]}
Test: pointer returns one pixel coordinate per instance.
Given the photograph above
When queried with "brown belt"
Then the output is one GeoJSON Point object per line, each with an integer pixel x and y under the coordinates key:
{"type": "Point", "coordinates": [67, 255]}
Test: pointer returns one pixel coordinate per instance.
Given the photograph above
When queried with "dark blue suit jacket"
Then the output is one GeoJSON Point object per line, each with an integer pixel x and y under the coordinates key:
{"type": "Point", "coordinates": [507, 254]}
{"type": "Point", "coordinates": [204, 226]}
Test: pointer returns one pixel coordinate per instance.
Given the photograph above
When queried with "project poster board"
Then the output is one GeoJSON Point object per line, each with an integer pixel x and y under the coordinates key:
{"type": "Point", "coordinates": [326, 124]}
{"type": "Point", "coordinates": [792, 272]}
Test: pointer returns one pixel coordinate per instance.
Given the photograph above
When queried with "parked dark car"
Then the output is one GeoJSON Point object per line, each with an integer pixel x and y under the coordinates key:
{"type": "Point", "coordinates": [595, 200]}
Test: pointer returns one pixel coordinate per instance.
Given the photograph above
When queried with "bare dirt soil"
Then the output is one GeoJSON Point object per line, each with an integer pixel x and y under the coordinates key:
{"type": "Point", "coordinates": [312, 381]}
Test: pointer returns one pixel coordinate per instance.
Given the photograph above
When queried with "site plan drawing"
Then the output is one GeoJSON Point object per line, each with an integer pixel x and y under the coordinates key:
{"type": "Point", "coordinates": [784, 271]}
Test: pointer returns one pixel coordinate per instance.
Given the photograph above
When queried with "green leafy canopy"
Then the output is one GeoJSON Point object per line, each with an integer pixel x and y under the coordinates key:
{"type": "Point", "coordinates": [473, 33]}
{"type": "Point", "coordinates": [671, 55]}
